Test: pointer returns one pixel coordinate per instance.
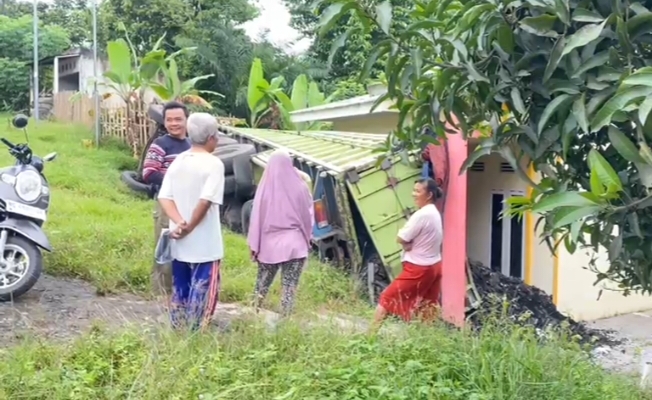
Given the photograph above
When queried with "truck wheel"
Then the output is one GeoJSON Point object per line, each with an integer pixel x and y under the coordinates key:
{"type": "Point", "coordinates": [23, 268]}
{"type": "Point", "coordinates": [246, 215]}
{"type": "Point", "coordinates": [228, 153]}
{"type": "Point", "coordinates": [244, 177]}
{"type": "Point", "coordinates": [373, 278]}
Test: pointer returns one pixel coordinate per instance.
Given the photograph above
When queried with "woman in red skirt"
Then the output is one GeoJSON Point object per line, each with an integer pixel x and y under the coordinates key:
{"type": "Point", "coordinates": [416, 289]}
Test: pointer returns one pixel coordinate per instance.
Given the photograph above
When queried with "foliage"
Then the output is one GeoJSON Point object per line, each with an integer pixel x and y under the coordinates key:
{"type": "Point", "coordinates": [14, 84]}
{"type": "Point", "coordinates": [265, 97]}
{"type": "Point", "coordinates": [96, 224]}
{"type": "Point", "coordinates": [16, 36]}
{"type": "Point", "coordinates": [316, 360]}
{"type": "Point", "coordinates": [576, 83]}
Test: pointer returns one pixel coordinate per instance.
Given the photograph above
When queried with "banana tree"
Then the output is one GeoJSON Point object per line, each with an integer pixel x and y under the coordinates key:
{"type": "Point", "coordinates": [265, 97]}
{"type": "Point", "coordinates": [171, 87]}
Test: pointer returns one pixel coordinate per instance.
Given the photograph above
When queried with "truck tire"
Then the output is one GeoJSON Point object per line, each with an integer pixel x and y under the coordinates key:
{"type": "Point", "coordinates": [133, 182]}
{"type": "Point", "coordinates": [232, 215]}
{"type": "Point", "coordinates": [228, 153]}
{"type": "Point", "coordinates": [224, 140]}
{"type": "Point", "coordinates": [229, 185]}
{"type": "Point", "coordinates": [244, 177]}
{"type": "Point", "coordinates": [246, 215]}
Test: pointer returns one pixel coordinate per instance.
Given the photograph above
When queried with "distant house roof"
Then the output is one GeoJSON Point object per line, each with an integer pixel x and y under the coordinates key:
{"type": "Point", "coordinates": [355, 106]}
{"type": "Point", "coordinates": [74, 52]}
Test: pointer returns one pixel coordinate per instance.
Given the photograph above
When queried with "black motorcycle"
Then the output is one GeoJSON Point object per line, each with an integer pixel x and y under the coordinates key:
{"type": "Point", "coordinates": [24, 203]}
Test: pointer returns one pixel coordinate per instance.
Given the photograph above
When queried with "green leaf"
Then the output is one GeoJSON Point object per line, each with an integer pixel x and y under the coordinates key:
{"type": "Point", "coordinates": [621, 99]}
{"type": "Point", "coordinates": [579, 111]}
{"type": "Point", "coordinates": [597, 188]}
{"type": "Point", "coordinates": [555, 57]}
{"type": "Point", "coordinates": [474, 74]}
{"type": "Point", "coordinates": [161, 91]}
{"type": "Point", "coordinates": [564, 199]}
{"type": "Point", "coordinates": [315, 96]}
{"type": "Point", "coordinates": [562, 10]}
{"type": "Point", "coordinates": [641, 77]}
{"type": "Point", "coordinates": [569, 215]}
{"type": "Point", "coordinates": [623, 145]}
{"type": "Point", "coordinates": [644, 109]}
{"type": "Point", "coordinates": [337, 44]}
{"type": "Point", "coordinates": [330, 16]}
{"type": "Point", "coordinates": [597, 60]}
{"type": "Point", "coordinates": [384, 15]}
{"type": "Point", "coordinates": [517, 100]}
{"type": "Point", "coordinates": [540, 25]}
{"type": "Point", "coordinates": [584, 15]}
{"type": "Point", "coordinates": [119, 60]}
{"type": "Point", "coordinates": [299, 93]}
{"type": "Point", "coordinates": [284, 101]}
{"type": "Point", "coordinates": [550, 109]}
{"type": "Point", "coordinates": [380, 50]}
{"type": "Point", "coordinates": [608, 177]}
{"type": "Point", "coordinates": [583, 36]}
{"type": "Point", "coordinates": [256, 77]}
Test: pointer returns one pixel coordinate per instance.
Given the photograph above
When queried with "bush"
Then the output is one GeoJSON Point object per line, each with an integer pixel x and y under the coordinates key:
{"type": "Point", "coordinates": [102, 233]}
{"type": "Point", "coordinates": [252, 363]}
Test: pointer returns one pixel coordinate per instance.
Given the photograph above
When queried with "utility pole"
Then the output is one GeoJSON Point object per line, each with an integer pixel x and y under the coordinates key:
{"type": "Point", "coordinates": [35, 66]}
{"type": "Point", "coordinates": [96, 95]}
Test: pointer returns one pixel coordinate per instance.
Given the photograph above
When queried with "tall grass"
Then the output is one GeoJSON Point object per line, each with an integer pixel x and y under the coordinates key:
{"type": "Point", "coordinates": [298, 363]}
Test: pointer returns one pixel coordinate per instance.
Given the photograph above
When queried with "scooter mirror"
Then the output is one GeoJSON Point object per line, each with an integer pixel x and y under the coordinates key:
{"type": "Point", "coordinates": [50, 157]}
{"type": "Point", "coordinates": [20, 121]}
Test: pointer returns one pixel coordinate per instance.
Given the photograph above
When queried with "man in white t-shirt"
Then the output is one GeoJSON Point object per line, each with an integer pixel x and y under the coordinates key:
{"type": "Point", "coordinates": [191, 194]}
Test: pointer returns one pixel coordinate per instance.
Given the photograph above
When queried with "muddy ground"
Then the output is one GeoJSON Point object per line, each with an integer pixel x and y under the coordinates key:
{"type": "Point", "coordinates": [61, 309]}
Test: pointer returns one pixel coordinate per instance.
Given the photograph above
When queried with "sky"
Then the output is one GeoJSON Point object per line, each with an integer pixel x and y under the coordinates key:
{"type": "Point", "coordinates": [275, 17]}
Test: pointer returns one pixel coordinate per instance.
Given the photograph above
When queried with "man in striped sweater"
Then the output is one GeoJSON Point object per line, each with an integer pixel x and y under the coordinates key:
{"type": "Point", "coordinates": [157, 161]}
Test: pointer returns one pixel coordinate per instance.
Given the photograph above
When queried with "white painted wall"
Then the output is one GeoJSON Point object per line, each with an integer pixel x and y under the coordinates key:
{"type": "Point", "coordinates": [481, 185]}
{"type": "Point", "coordinates": [578, 297]}
{"type": "Point", "coordinates": [371, 123]}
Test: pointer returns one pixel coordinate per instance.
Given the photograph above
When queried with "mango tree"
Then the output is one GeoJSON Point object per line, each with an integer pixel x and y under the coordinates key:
{"type": "Point", "coordinates": [576, 82]}
{"type": "Point", "coordinates": [265, 98]}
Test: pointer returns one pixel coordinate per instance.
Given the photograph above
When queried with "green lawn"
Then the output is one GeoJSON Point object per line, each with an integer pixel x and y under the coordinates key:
{"type": "Point", "coordinates": [103, 233]}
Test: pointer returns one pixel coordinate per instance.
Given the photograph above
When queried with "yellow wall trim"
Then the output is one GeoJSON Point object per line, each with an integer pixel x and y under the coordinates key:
{"type": "Point", "coordinates": [529, 233]}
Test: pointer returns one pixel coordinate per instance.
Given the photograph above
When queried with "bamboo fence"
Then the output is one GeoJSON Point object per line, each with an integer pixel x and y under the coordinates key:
{"type": "Point", "coordinates": [70, 107]}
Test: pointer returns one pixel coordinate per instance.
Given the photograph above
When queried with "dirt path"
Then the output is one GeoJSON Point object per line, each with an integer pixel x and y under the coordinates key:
{"type": "Point", "coordinates": [64, 308]}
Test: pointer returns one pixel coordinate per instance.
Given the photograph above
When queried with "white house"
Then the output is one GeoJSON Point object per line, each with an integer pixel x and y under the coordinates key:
{"type": "Point", "coordinates": [74, 71]}
{"type": "Point", "coordinates": [509, 245]}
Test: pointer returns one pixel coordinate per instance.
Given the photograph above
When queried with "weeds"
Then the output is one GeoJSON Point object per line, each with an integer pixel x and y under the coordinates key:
{"type": "Point", "coordinates": [249, 362]}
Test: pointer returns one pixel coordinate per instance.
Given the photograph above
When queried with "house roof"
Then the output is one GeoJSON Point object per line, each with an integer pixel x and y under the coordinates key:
{"type": "Point", "coordinates": [356, 106]}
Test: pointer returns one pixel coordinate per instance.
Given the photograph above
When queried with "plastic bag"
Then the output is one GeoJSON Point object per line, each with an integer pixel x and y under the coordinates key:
{"type": "Point", "coordinates": [163, 252]}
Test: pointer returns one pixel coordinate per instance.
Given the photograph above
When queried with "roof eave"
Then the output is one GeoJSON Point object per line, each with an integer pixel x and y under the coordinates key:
{"type": "Point", "coordinates": [341, 112]}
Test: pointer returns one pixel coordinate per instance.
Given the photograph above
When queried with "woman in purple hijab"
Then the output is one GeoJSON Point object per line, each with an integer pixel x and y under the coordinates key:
{"type": "Point", "coordinates": [280, 228]}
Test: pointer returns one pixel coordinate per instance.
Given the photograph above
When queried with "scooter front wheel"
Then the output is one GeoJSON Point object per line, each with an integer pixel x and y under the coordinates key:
{"type": "Point", "coordinates": [21, 268]}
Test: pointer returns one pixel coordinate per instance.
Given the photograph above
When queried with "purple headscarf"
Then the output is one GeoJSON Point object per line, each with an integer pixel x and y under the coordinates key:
{"type": "Point", "coordinates": [282, 202]}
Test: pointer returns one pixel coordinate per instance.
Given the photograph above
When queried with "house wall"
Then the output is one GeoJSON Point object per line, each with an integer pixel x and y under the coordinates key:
{"type": "Point", "coordinates": [481, 186]}
{"type": "Point", "coordinates": [372, 123]}
{"type": "Point", "coordinates": [578, 297]}
{"type": "Point", "coordinates": [86, 79]}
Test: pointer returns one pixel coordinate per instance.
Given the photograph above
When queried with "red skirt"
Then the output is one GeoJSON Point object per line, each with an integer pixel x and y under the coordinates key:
{"type": "Point", "coordinates": [415, 290]}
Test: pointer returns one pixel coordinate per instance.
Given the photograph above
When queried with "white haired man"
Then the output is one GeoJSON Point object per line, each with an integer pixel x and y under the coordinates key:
{"type": "Point", "coordinates": [191, 194]}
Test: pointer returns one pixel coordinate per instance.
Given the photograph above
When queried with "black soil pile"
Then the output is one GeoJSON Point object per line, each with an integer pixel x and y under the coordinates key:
{"type": "Point", "coordinates": [525, 305]}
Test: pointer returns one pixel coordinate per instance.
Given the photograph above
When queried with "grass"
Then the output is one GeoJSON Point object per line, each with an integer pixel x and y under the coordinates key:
{"type": "Point", "coordinates": [294, 363]}
{"type": "Point", "coordinates": [102, 233]}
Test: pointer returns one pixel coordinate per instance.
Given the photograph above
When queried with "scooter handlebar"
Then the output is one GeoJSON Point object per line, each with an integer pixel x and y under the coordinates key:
{"type": "Point", "coordinates": [7, 143]}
